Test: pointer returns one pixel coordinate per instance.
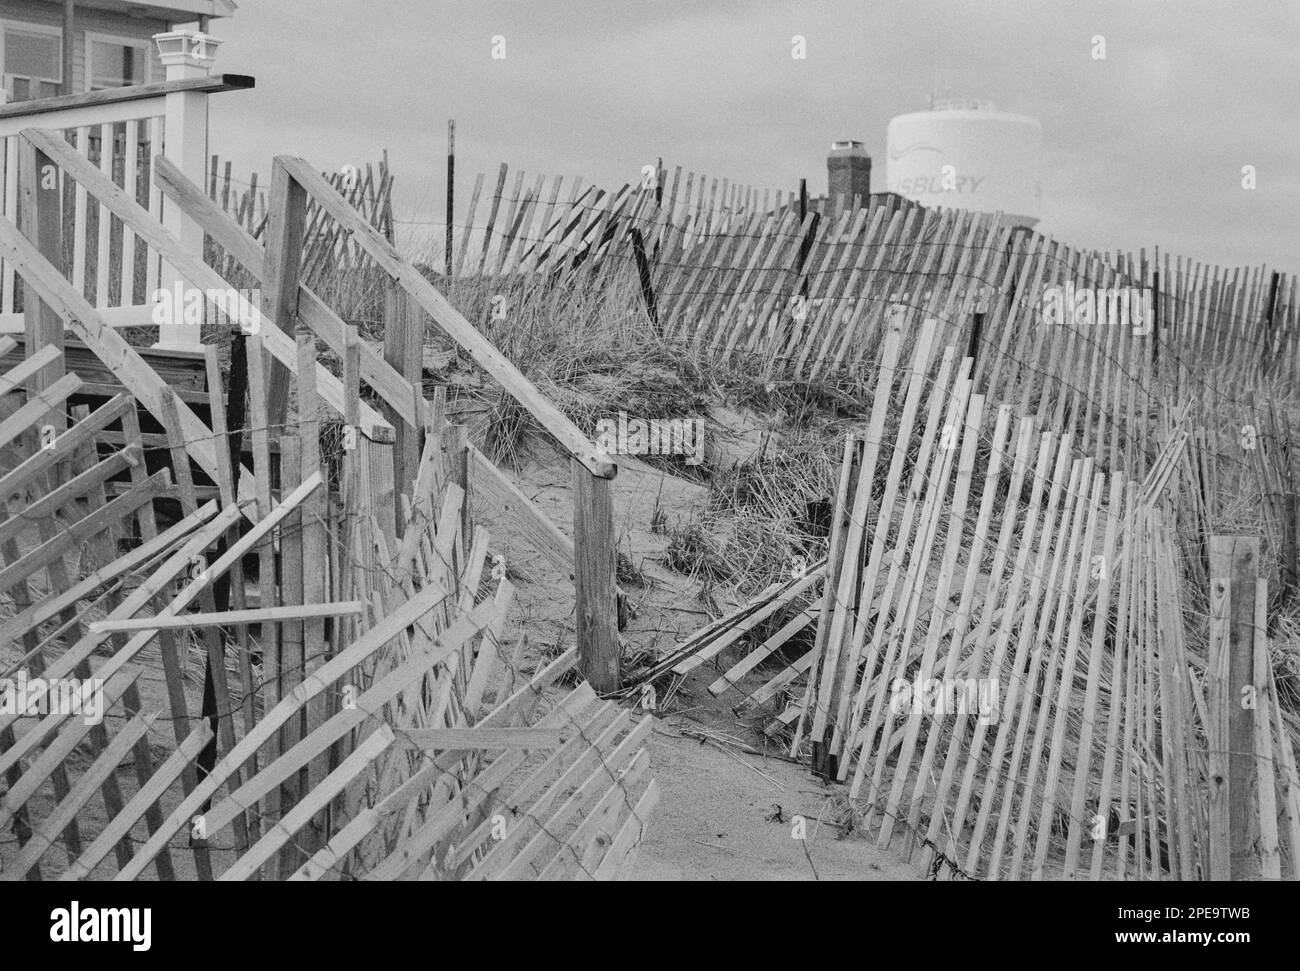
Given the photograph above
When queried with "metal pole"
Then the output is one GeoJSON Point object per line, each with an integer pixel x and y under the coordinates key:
{"type": "Point", "coordinates": [451, 191]}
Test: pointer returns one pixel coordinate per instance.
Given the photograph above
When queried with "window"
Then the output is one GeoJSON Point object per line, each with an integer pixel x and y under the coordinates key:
{"type": "Point", "coordinates": [32, 63]}
{"type": "Point", "coordinates": [114, 64]}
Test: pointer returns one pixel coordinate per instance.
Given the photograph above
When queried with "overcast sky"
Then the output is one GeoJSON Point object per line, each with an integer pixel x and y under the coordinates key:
{"type": "Point", "coordinates": [1143, 148]}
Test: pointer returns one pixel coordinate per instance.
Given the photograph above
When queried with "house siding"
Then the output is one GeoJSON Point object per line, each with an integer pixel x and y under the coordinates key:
{"type": "Point", "coordinates": [19, 12]}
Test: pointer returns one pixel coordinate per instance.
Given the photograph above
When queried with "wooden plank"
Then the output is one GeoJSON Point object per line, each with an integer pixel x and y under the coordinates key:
{"type": "Point", "coordinates": [403, 349]}
{"type": "Point", "coordinates": [370, 704]}
{"type": "Point", "coordinates": [292, 658]}
{"type": "Point", "coordinates": [469, 224]}
{"type": "Point", "coordinates": [126, 363]}
{"type": "Point", "coordinates": [453, 322]}
{"type": "Point", "coordinates": [283, 266]}
{"type": "Point", "coordinates": [834, 566]}
{"type": "Point", "coordinates": [596, 754]}
{"type": "Point", "coordinates": [1183, 826]}
{"type": "Point", "coordinates": [258, 615]}
{"type": "Point", "coordinates": [983, 633]}
{"type": "Point", "coordinates": [39, 405]}
{"type": "Point", "coordinates": [599, 648]}
{"type": "Point", "coordinates": [835, 671]}
{"type": "Point", "coordinates": [441, 821]}
{"type": "Point", "coordinates": [14, 483]}
{"type": "Point", "coordinates": [49, 504]}
{"type": "Point", "coordinates": [1121, 664]}
{"type": "Point", "coordinates": [67, 739]}
{"type": "Point", "coordinates": [597, 829]}
{"type": "Point", "coordinates": [620, 761]}
{"type": "Point", "coordinates": [765, 650]}
{"type": "Point", "coordinates": [208, 281]}
{"type": "Point", "coordinates": [267, 588]}
{"type": "Point", "coordinates": [621, 852]}
{"type": "Point", "coordinates": [1051, 652]}
{"type": "Point", "coordinates": [752, 615]}
{"type": "Point", "coordinates": [959, 622]}
{"type": "Point", "coordinates": [217, 704]}
{"type": "Point", "coordinates": [311, 310]}
{"type": "Point", "coordinates": [315, 541]}
{"type": "Point", "coordinates": [284, 830]}
{"type": "Point", "coordinates": [1269, 846]}
{"type": "Point", "coordinates": [1036, 576]}
{"type": "Point", "coordinates": [172, 673]}
{"type": "Point", "coordinates": [1288, 780]}
{"type": "Point", "coordinates": [1234, 567]}
{"type": "Point", "coordinates": [492, 216]}
{"type": "Point", "coordinates": [41, 221]}
{"type": "Point", "coordinates": [371, 641]}
{"type": "Point", "coordinates": [99, 772]}
{"type": "Point", "coordinates": [156, 91]}
{"type": "Point", "coordinates": [368, 819]}
{"type": "Point", "coordinates": [48, 608]}
{"type": "Point", "coordinates": [30, 368]}
{"type": "Point", "coordinates": [1062, 713]}
{"type": "Point", "coordinates": [78, 533]}
{"type": "Point", "coordinates": [71, 659]}
{"type": "Point", "coordinates": [491, 650]}
{"type": "Point", "coordinates": [966, 426]}
{"type": "Point", "coordinates": [505, 498]}
{"type": "Point", "coordinates": [442, 739]}
{"type": "Point", "coordinates": [144, 799]}
{"type": "Point", "coordinates": [883, 645]}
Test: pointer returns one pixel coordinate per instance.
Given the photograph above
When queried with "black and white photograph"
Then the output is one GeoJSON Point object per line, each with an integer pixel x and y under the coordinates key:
{"type": "Point", "coordinates": [655, 441]}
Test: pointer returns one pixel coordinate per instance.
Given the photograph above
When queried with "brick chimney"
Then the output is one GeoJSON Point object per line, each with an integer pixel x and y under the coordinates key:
{"type": "Point", "coordinates": [849, 170]}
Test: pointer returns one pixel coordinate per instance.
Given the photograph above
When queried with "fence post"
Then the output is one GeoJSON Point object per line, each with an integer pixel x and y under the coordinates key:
{"type": "Point", "coordinates": [285, 228]}
{"type": "Point", "coordinates": [185, 54]}
{"type": "Point", "coordinates": [594, 564]}
{"type": "Point", "coordinates": [1266, 349]}
{"type": "Point", "coordinates": [403, 349]}
{"type": "Point", "coordinates": [1234, 824]}
{"type": "Point", "coordinates": [40, 215]}
{"type": "Point", "coordinates": [643, 272]}
{"type": "Point", "coordinates": [451, 195]}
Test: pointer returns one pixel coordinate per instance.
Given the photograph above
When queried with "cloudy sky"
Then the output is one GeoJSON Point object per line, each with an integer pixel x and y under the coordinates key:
{"type": "Point", "coordinates": [1143, 148]}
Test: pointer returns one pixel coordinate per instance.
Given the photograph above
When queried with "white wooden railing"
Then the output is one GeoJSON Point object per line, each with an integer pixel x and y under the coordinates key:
{"type": "Point", "coordinates": [119, 130]}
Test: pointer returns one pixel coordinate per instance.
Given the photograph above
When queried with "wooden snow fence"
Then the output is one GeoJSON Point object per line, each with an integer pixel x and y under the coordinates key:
{"type": "Point", "coordinates": [367, 713]}
{"type": "Point", "coordinates": [1007, 670]}
{"type": "Point", "coordinates": [805, 296]}
{"type": "Point", "coordinates": [327, 248]}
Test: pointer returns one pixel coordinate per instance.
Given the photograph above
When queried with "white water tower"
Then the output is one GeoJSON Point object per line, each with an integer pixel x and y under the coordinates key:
{"type": "Point", "coordinates": [964, 154]}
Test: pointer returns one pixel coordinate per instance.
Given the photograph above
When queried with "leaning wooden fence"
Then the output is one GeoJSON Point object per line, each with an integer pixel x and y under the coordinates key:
{"type": "Point", "coordinates": [364, 714]}
{"type": "Point", "coordinates": [1010, 669]}
{"type": "Point", "coordinates": [805, 295]}
{"type": "Point", "coordinates": [328, 250]}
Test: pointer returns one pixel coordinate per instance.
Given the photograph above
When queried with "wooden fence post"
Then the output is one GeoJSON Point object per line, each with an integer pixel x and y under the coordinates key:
{"type": "Point", "coordinates": [1266, 345]}
{"type": "Point", "coordinates": [42, 222]}
{"type": "Point", "coordinates": [285, 227]}
{"type": "Point", "coordinates": [403, 349]}
{"type": "Point", "coordinates": [647, 288]}
{"type": "Point", "coordinates": [594, 564]}
{"type": "Point", "coordinates": [1234, 824]}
